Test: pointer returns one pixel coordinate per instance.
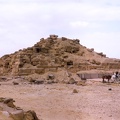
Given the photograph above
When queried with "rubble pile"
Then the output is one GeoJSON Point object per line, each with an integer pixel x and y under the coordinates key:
{"type": "Point", "coordinates": [54, 54]}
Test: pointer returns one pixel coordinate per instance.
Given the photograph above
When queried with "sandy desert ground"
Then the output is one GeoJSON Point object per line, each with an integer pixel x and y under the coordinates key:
{"type": "Point", "coordinates": [94, 101]}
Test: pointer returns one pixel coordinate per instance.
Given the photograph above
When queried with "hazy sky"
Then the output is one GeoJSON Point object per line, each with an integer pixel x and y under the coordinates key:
{"type": "Point", "coordinates": [95, 22]}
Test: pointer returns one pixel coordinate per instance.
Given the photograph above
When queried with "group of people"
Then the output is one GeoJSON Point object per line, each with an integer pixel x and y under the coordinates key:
{"type": "Point", "coordinates": [116, 75]}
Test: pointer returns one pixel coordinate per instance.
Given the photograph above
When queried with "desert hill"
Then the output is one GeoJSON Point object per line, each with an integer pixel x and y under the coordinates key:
{"type": "Point", "coordinates": [55, 54]}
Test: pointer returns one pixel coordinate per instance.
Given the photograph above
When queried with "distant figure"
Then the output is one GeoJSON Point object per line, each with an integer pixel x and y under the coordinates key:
{"type": "Point", "coordinates": [116, 74]}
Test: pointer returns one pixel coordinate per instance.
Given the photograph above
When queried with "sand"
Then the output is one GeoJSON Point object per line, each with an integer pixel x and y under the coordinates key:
{"type": "Point", "coordinates": [94, 101]}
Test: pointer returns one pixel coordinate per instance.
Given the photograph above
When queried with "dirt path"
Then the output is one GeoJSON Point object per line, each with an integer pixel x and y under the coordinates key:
{"type": "Point", "coordinates": [95, 101]}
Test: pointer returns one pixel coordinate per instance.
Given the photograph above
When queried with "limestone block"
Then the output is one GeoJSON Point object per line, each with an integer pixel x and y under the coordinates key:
{"type": "Point", "coordinates": [17, 115]}
{"type": "Point", "coordinates": [40, 70]}
{"type": "Point", "coordinates": [95, 75]}
{"type": "Point", "coordinates": [87, 76]}
{"type": "Point", "coordinates": [53, 37]}
{"type": "Point", "coordinates": [50, 77]}
{"type": "Point", "coordinates": [71, 81]}
{"type": "Point", "coordinates": [77, 41]}
{"type": "Point", "coordinates": [30, 115]}
{"type": "Point", "coordinates": [9, 113]}
{"type": "Point", "coordinates": [64, 38]}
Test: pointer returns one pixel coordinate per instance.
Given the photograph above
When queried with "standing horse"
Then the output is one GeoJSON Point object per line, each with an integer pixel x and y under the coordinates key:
{"type": "Point", "coordinates": [108, 77]}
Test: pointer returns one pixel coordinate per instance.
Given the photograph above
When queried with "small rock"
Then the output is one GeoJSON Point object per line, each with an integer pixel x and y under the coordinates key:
{"type": "Point", "coordinates": [15, 83]}
{"type": "Point", "coordinates": [75, 91]}
{"type": "Point", "coordinates": [50, 77]}
{"type": "Point", "coordinates": [110, 89]}
{"type": "Point", "coordinates": [71, 81]}
{"type": "Point", "coordinates": [39, 82]}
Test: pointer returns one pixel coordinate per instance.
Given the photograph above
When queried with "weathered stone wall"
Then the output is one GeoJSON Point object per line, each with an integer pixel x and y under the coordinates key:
{"type": "Point", "coordinates": [92, 75]}
{"type": "Point", "coordinates": [40, 70]}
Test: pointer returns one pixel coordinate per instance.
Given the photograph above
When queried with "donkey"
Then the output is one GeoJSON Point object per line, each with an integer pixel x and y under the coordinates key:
{"type": "Point", "coordinates": [108, 77]}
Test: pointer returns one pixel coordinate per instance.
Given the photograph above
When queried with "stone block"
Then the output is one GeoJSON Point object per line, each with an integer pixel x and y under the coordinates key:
{"type": "Point", "coordinates": [94, 75]}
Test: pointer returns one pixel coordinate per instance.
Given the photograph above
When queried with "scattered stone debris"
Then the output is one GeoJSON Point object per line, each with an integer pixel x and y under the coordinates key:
{"type": "Point", "coordinates": [8, 111]}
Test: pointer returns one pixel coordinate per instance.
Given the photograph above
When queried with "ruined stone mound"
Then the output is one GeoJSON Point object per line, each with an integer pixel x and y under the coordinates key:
{"type": "Point", "coordinates": [54, 54]}
{"type": "Point", "coordinates": [8, 111]}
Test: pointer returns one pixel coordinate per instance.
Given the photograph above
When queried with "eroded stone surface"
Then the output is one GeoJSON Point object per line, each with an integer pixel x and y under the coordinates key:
{"type": "Point", "coordinates": [8, 111]}
{"type": "Point", "coordinates": [53, 54]}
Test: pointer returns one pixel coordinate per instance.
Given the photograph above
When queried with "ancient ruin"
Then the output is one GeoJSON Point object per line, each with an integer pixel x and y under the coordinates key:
{"type": "Point", "coordinates": [53, 54]}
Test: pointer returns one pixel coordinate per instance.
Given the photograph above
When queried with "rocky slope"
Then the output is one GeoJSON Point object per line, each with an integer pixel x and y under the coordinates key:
{"type": "Point", "coordinates": [55, 54]}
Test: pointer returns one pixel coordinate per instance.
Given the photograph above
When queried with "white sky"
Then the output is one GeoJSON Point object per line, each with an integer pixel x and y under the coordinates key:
{"type": "Point", "coordinates": [95, 22]}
